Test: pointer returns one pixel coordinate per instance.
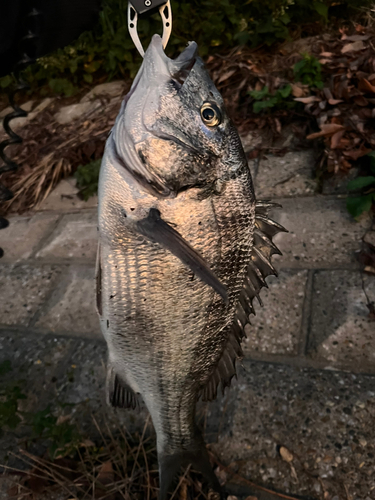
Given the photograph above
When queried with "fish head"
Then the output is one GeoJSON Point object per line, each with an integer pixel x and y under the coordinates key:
{"type": "Point", "coordinates": [173, 131]}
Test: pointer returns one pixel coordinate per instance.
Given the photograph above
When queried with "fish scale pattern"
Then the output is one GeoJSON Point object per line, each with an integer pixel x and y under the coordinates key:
{"type": "Point", "coordinates": [171, 335]}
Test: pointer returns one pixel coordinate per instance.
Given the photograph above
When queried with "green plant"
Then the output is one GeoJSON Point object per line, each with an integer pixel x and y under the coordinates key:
{"type": "Point", "coordinates": [108, 50]}
{"type": "Point", "coordinates": [87, 178]}
{"type": "Point", "coordinates": [60, 434]}
{"type": "Point", "coordinates": [364, 186]}
{"type": "Point", "coordinates": [265, 100]}
{"type": "Point", "coordinates": [308, 71]}
{"type": "Point", "coordinates": [63, 436]}
{"type": "Point", "coordinates": [10, 394]}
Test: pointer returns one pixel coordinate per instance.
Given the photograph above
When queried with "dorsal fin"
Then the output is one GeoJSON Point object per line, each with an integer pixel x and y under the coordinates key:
{"type": "Point", "coordinates": [259, 268]}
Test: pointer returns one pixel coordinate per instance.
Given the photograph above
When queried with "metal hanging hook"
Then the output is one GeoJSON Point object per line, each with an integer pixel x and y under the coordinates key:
{"type": "Point", "coordinates": [139, 7]}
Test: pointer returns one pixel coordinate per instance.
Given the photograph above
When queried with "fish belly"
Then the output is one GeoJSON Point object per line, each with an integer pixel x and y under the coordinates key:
{"type": "Point", "coordinates": [164, 327]}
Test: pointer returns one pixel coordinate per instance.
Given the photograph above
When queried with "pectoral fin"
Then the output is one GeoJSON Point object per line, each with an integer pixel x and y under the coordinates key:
{"type": "Point", "coordinates": [159, 231]}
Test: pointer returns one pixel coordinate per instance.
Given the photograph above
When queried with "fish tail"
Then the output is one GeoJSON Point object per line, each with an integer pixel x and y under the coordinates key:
{"type": "Point", "coordinates": [170, 465]}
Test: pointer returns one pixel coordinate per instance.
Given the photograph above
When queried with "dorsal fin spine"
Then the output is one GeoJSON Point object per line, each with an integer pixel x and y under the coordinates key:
{"type": "Point", "coordinates": [259, 267]}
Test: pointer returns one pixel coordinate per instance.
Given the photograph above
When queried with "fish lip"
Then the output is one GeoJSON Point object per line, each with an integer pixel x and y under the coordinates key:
{"type": "Point", "coordinates": [157, 65]}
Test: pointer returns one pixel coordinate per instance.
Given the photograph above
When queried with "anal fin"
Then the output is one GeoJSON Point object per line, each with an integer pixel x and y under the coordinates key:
{"type": "Point", "coordinates": [119, 394]}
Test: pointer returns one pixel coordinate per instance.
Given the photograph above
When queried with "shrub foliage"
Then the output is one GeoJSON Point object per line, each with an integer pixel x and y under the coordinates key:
{"type": "Point", "coordinates": [213, 24]}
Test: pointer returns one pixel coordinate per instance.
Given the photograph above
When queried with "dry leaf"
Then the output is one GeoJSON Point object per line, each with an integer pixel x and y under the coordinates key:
{"type": "Point", "coordinates": [360, 28]}
{"type": "Point", "coordinates": [333, 102]}
{"type": "Point", "coordinates": [336, 138]}
{"type": "Point", "coordinates": [353, 47]}
{"type": "Point", "coordinates": [62, 419]}
{"type": "Point", "coordinates": [326, 129]}
{"type": "Point", "coordinates": [227, 75]}
{"type": "Point", "coordinates": [87, 443]}
{"type": "Point", "coordinates": [366, 86]}
{"type": "Point", "coordinates": [286, 455]}
{"type": "Point", "coordinates": [354, 154]}
{"type": "Point", "coordinates": [356, 38]}
{"type": "Point", "coordinates": [106, 474]}
{"type": "Point", "coordinates": [299, 90]}
{"type": "Point", "coordinates": [221, 475]}
{"type": "Point", "coordinates": [278, 125]}
{"type": "Point", "coordinates": [294, 473]}
{"type": "Point", "coordinates": [360, 100]}
{"type": "Point", "coordinates": [183, 490]}
{"type": "Point", "coordinates": [212, 495]}
{"type": "Point", "coordinates": [307, 100]}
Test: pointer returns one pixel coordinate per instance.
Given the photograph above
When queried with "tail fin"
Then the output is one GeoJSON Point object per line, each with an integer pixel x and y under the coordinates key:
{"type": "Point", "coordinates": [170, 465]}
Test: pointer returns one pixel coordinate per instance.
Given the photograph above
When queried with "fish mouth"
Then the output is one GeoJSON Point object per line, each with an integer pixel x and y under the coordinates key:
{"type": "Point", "coordinates": [156, 74]}
{"type": "Point", "coordinates": [157, 65]}
{"type": "Point", "coordinates": [176, 72]}
{"type": "Point", "coordinates": [178, 69]}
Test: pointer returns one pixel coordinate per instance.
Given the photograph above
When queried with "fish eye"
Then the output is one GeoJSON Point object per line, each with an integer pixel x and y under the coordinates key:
{"type": "Point", "coordinates": [210, 114]}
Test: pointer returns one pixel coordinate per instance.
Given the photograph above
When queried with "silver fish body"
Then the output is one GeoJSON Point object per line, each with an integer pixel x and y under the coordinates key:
{"type": "Point", "coordinates": [172, 334]}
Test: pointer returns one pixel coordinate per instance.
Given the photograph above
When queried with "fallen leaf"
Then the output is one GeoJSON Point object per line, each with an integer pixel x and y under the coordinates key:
{"type": "Point", "coordinates": [327, 93]}
{"type": "Point", "coordinates": [294, 473]}
{"type": "Point", "coordinates": [299, 90]}
{"type": "Point", "coordinates": [183, 490]}
{"type": "Point", "coordinates": [360, 100]}
{"type": "Point", "coordinates": [278, 125]}
{"type": "Point", "coordinates": [286, 455]}
{"type": "Point", "coordinates": [87, 443]}
{"type": "Point", "coordinates": [227, 75]}
{"type": "Point", "coordinates": [336, 138]}
{"type": "Point", "coordinates": [221, 475]}
{"type": "Point", "coordinates": [366, 86]}
{"type": "Point", "coordinates": [62, 419]}
{"type": "Point", "coordinates": [353, 47]}
{"type": "Point", "coordinates": [360, 28]}
{"type": "Point", "coordinates": [326, 129]}
{"type": "Point", "coordinates": [106, 474]}
{"type": "Point", "coordinates": [356, 38]}
{"type": "Point", "coordinates": [333, 102]}
{"type": "Point", "coordinates": [212, 495]}
{"type": "Point", "coordinates": [354, 154]}
{"type": "Point", "coordinates": [308, 100]}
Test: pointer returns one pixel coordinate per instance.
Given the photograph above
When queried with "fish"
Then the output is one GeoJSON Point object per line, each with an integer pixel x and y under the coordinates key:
{"type": "Point", "coordinates": [184, 249]}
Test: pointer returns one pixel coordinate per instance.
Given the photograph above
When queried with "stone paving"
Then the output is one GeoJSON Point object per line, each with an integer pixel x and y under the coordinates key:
{"type": "Point", "coordinates": [308, 378]}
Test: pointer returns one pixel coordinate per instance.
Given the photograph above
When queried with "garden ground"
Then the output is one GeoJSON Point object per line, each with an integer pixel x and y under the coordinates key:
{"type": "Point", "coordinates": [298, 420]}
